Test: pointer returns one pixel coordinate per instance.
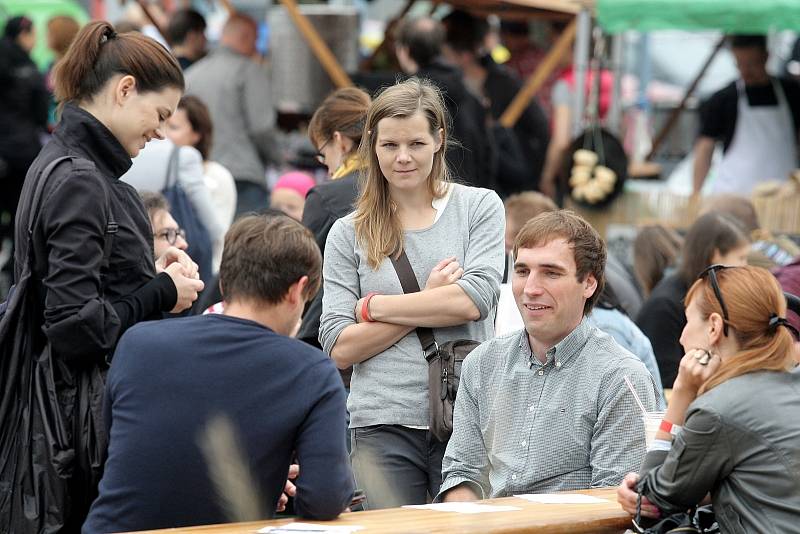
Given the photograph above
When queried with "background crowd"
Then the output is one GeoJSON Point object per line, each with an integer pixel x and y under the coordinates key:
{"type": "Point", "coordinates": [184, 317]}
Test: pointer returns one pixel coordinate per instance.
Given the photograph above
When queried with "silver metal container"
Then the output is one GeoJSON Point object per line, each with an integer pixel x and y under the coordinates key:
{"type": "Point", "coordinates": [299, 83]}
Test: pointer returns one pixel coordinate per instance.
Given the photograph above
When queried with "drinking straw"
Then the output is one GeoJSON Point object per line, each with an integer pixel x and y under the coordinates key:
{"type": "Point", "coordinates": [635, 395]}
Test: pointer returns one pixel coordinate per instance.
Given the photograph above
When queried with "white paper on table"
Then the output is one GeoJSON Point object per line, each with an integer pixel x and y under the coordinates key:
{"type": "Point", "coordinates": [463, 507]}
{"type": "Point", "coordinates": [561, 498]}
{"type": "Point", "coordinates": [311, 527]}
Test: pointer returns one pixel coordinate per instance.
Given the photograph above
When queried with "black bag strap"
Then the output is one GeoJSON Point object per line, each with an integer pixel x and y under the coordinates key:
{"type": "Point", "coordinates": [37, 194]}
{"type": "Point", "coordinates": [408, 281]}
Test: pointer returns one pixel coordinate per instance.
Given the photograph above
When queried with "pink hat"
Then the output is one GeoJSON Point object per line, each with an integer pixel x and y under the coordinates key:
{"type": "Point", "coordinates": [297, 181]}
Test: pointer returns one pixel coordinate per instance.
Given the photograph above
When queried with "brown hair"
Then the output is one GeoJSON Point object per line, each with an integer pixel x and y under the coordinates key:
{"type": "Point", "coordinates": [343, 111]}
{"type": "Point", "coordinates": [264, 255]}
{"type": "Point", "coordinates": [61, 30]}
{"type": "Point", "coordinates": [378, 230]}
{"type": "Point", "coordinates": [98, 53]}
{"type": "Point", "coordinates": [200, 119]}
{"type": "Point", "coordinates": [522, 207]}
{"type": "Point", "coordinates": [154, 202]}
{"type": "Point", "coordinates": [752, 296]}
{"type": "Point", "coordinates": [710, 232]}
{"type": "Point", "coordinates": [655, 248]}
{"type": "Point", "coordinates": [587, 246]}
{"type": "Point", "coordinates": [736, 207]}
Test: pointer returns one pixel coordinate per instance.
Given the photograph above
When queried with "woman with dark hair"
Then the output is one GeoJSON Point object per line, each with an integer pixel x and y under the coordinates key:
{"type": "Point", "coordinates": [731, 429]}
{"type": "Point", "coordinates": [91, 257]}
{"type": "Point", "coordinates": [713, 238]}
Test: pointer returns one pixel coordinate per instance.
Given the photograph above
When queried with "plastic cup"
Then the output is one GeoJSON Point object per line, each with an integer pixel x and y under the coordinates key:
{"type": "Point", "coordinates": [652, 420]}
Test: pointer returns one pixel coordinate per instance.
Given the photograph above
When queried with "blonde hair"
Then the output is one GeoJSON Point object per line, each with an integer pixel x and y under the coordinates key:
{"type": "Point", "coordinates": [752, 296]}
{"type": "Point", "coordinates": [378, 229]}
{"type": "Point", "coordinates": [524, 206]}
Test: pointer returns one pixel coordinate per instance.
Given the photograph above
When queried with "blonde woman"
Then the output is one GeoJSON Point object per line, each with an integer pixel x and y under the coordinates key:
{"type": "Point", "coordinates": [453, 237]}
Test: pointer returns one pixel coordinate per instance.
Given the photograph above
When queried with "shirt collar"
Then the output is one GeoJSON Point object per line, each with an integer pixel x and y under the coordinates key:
{"type": "Point", "coordinates": [562, 351]}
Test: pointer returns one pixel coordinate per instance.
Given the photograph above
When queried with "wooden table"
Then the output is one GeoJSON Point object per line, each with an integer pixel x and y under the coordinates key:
{"type": "Point", "coordinates": [600, 518]}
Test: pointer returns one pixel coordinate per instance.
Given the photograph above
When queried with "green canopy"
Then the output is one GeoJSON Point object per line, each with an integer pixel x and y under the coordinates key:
{"type": "Point", "coordinates": [730, 16]}
{"type": "Point", "coordinates": [40, 11]}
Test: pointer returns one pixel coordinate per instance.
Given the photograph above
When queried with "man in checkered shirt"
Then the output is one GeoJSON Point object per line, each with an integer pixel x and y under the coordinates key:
{"type": "Point", "coordinates": [546, 408]}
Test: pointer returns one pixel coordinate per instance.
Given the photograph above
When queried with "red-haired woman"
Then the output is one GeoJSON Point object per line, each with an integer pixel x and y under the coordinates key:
{"type": "Point", "coordinates": [731, 428]}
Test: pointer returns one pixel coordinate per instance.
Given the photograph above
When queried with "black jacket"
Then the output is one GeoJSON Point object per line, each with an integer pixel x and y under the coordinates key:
{"type": "Point", "coordinates": [23, 105]}
{"type": "Point", "coordinates": [472, 159]}
{"type": "Point", "coordinates": [84, 310]}
{"type": "Point", "coordinates": [662, 319]}
{"type": "Point", "coordinates": [521, 151]}
{"type": "Point", "coordinates": [325, 204]}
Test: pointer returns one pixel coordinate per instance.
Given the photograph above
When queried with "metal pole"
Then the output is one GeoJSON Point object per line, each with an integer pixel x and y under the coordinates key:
{"type": "Point", "coordinates": [614, 120]}
{"type": "Point", "coordinates": [318, 46]}
{"type": "Point", "coordinates": [581, 63]}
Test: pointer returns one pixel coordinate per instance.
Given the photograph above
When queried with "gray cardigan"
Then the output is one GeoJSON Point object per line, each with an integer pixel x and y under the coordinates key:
{"type": "Point", "coordinates": [392, 387]}
{"type": "Point", "coordinates": [741, 442]}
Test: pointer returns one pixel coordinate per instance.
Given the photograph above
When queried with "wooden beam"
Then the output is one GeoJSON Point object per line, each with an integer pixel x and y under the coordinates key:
{"type": "Point", "coordinates": [318, 46]}
{"type": "Point", "coordinates": [553, 58]}
{"type": "Point", "coordinates": [676, 113]}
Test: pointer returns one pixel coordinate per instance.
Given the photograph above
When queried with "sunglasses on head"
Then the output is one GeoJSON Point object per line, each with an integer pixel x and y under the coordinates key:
{"type": "Point", "coordinates": [711, 273]}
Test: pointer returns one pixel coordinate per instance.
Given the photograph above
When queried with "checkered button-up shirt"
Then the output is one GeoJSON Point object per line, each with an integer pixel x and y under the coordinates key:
{"type": "Point", "coordinates": [521, 426]}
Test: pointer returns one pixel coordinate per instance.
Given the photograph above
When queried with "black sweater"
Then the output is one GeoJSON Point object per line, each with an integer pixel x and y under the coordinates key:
{"type": "Point", "coordinates": [662, 319]}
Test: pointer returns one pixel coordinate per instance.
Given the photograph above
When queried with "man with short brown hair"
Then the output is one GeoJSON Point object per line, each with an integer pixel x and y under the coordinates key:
{"type": "Point", "coordinates": [283, 397]}
{"type": "Point", "coordinates": [546, 408]}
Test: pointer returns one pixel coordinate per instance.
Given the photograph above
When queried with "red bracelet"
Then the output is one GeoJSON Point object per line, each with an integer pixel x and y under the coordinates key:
{"type": "Point", "coordinates": [669, 428]}
{"type": "Point", "coordinates": [365, 316]}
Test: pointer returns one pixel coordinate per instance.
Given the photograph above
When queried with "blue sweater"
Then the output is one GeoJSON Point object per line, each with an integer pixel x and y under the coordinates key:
{"type": "Point", "coordinates": [169, 377]}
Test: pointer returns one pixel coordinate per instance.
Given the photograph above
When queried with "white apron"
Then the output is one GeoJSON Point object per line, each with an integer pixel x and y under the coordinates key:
{"type": "Point", "coordinates": [764, 145]}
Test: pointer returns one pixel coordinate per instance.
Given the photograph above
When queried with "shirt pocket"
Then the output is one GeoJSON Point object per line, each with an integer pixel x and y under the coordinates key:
{"type": "Point", "coordinates": [567, 439]}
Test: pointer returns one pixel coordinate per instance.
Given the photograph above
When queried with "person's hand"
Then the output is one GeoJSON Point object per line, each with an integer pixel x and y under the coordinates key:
{"type": "Point", "coordinates": [445, 273]}
{"type": "Point", "coordinates": [289, 489]}
{"type": "Point", "coordinates": [548, 188]}
{"type": "Point", "coordinates": [187, 287]}
{"type": "Point", "coordinates": [176, 255]}
{"type": "Point", "coordinates": [627, 496]}
{"type": "Point", "coordinates": [696, 367]}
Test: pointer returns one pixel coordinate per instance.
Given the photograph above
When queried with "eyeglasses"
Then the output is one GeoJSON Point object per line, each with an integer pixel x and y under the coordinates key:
{"type": "Point", "coordinates": [171, 235]}
{"type": "Point", "coordinates": [320, 156]}
{"type": "Point", "coordinates": [711, 272]}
